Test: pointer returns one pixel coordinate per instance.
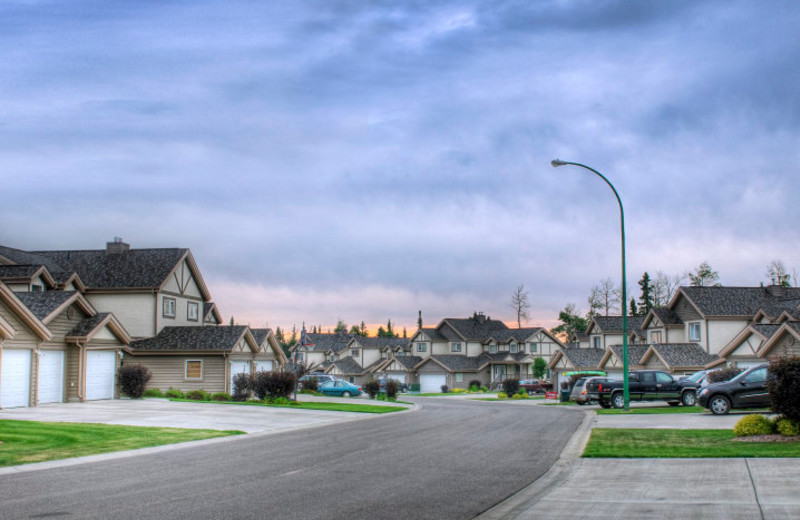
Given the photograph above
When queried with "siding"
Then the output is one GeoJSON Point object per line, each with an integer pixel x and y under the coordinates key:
{"type": "Point", "coordinates": [168, 371]}
{"type": "Point", "coordinates": [685, 310]}
{"type": "Point", "coordinates": [71, 374]}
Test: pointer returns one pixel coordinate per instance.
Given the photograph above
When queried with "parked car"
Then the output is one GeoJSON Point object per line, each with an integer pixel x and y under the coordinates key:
{"type": "Point", "coordinates": [747, 390]}
{"type": "Point", "coordinates": [321, 378]}
{"type": "Point", "coordinates": [402, 387]}
{"type": "Point", "coordinates": [534, 386]}
{"type": "Point", "coordinates": [579, 393]}
{"type": "Point", "coordinates": [340, 388]}
{"type": "Point", "coordinates": [699, 378]}
{"type": "Point", "coordinates": [644, 385]}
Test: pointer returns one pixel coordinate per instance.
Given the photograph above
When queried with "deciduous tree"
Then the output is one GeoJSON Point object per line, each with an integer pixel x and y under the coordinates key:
{"type": "Point", "coordinates": [520, 304]}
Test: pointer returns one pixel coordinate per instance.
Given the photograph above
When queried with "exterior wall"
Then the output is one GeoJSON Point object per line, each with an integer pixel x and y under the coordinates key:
{"type": "Point", "coordinates": [368, 356]}
{"type": "Point", "coordinates": [676, 335]}
{"type": "Point", "coordinates": [439, 347]}
{"type": "Point", "coordinates": [685, 310]}
{"type": "Point", "coordinates": [472, 348]}
{"type": "Point", "coordinates": [483, 376]}
{"type": "Point", "coordinates": [169, 372]}
{"type": "Point", "coordinates": [314, 358]}
{"type": "Point", "coordinates": [72, 361]}
{"type": "Point", "coordinates": [787, 345]}
{"type": "Point", "coordinates": [721, 332]}
{"type": "Point", "coordinates": [136, 312]}
{"type": "Point", "coordinates": [654, 364]}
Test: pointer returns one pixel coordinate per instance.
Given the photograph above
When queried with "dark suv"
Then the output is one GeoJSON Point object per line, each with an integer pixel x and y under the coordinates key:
{"type": "Point", "coordinates": [747, 390]}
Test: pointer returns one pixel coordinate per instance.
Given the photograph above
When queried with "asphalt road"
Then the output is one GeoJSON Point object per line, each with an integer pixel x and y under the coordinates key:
{"type": "Point", "coordinates": [452, 459]}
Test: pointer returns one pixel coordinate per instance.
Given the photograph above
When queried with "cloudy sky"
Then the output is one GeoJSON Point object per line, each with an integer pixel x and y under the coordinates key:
{"type": "Point", "coordinates": [365, 160]}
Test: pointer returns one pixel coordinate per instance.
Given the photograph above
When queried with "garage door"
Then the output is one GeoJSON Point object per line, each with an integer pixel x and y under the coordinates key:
{"type": "Point", "coordinates": [101, 372]}
{"type": "Point", "coordinates": [15, 378]}
{"type": "Point", "coordinates": [239, 367]}
{"type": "Point", "coordinates": [397, 376]}
{"type": "Point", "coordinates": [263, 366]}
{"type": "Point", "coordinates": [432, 382]}
{"type": "Point", "coordinates": [51, 376]}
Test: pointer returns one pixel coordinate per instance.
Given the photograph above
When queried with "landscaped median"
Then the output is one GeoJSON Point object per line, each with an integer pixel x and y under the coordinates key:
{"type": "Point", "coordinates": [25, 442]}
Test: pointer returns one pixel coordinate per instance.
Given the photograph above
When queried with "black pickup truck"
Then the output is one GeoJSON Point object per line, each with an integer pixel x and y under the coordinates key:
{"type": "Point", "coordinates": [644, 385]}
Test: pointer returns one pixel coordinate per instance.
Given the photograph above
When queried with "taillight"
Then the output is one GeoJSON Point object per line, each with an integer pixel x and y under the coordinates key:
{"type": "Point", "coordinates": [600, 387]}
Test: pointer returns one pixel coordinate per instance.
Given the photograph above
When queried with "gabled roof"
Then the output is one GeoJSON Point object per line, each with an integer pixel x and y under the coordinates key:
{"type": "Point", "coordinates": [788, 327]}
{"type": "Point", "coordinates": [87, 328]}
{"type": "Point", "coordinates": [455, 362]}
{"type": "Point", "coordinates": [25, 273]}
{"type": "Point", "coordinates": [260, 335]}
{"type": "Point", "coordinates": [9, 255]}
{"type": "Point", "coordinates": [665, 315]}
{"type": "Point", "coordinates": [742, 302]}
{"type": "Point", "coordinates": [211, 308]}
{"type": "Point", "coordinates": [347, 365]}
{"type": "Point", "coordinates": [23, 313]}
{"type": "Point", "coordinates": [267, 335]}
{"type": "Point", "coordinates": [431, 332]}
{"type": "Point", "coordinates": [49, 304]}
{"type": "Point", "coordinates": [328, 342]}
{"type": "Point", "coordinates": [409, 362]}
{"type": "Point", "coordinates": [188, 338]}
{"type": "Point", "coordinates": [679, 355]}
{"type": "Point", "coordinates": [635, 354]}
{"type": "Point", "coordinates": [518, 335]}
{"type": "Point", "coordinates": [579, 357]}
{"type": "Point", "coordinates": [473, 329]}
{"type": "Point", "coordinates": [613, 324]}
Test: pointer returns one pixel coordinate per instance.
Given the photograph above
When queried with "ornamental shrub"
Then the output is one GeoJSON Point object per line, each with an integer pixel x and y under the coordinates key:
{"type": "Point", "coordinates": [272, 385]}
{"type": "Point", "coordinates": [242, 386]}
{"type": "Point", "coordinates": [371, 387]}
{"type": "Point", "coordinates": [152, 392]}
{"type": "Point", "coordinates": [519, 396]}
{"type": "Point", "coordinates": [474, 384]}
{"type": "Point", "coordinates": [755, 424]}
{"type": "Point", "coordinates": [173, 393]}
{"type": "Point", "coordinates": [484, 389]}
{"type": "Point", "coordinates": [311, 384]}
{"type": "Point", "coordinates": [282, 401]}
{"type": "Point", "coordinates": [783, 385]}
{"type": "Point", "coordinates": [458, 391]}
{"type": "Point", "coordinates": [511, 386]}
{"type": "Point", "coordinates": [221, 396]}
{"type": "Point", "coordinates": [787, 427]}
{"type": "Point", "coordinates": [198, 395]}
{"type": "Point", "coordinates": [392, 387]}
{"type": "Point", "coordinates": [132, 380]}
{"type": "Point", "coordinates": [445, 389]}
{"type": "Point", "coordinates": [521, 391]}
{"type": "Point", "coordinates": [724, 374]}
{"type": "Point", "coordinates": [502, 395]}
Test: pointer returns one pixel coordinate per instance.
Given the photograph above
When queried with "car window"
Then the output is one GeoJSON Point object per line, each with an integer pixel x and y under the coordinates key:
{"type": "Point", "coordinates": [580, 382]}
{"type": "Point", "coordinates": [647, 377]}
{"type": "Point", "coordinates": [326, 384]}
{"type": "Point", "coordinates": [756, 376]}
{"type": "Point", "coordinates": [661, 377]}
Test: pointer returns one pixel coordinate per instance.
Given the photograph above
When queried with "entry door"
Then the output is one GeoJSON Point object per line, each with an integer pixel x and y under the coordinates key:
{"type": "Point", "coordinates": [51, 376]}
{"type": "Point", "coordinates": [15, 378]}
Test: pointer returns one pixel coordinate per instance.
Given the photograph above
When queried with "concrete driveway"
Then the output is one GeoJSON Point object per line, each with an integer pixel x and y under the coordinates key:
{"type": "Point", "coordinates": [161, 412]}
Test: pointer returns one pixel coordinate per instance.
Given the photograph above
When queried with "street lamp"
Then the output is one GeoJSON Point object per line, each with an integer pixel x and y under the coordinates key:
{"type": "Point", "coordinates": [626, 393]}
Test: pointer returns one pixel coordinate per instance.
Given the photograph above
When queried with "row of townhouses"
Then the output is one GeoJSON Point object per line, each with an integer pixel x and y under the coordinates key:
{"type": "Point", "coordinates": [70, 318]}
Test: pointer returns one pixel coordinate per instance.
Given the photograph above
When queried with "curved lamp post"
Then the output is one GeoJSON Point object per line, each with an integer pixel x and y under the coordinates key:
{"type": "Point", "coordinates": [558, 162]}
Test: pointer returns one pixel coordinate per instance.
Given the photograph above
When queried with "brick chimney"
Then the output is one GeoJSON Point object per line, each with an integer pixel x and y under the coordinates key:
{"type": "Point", "coordinates": [117, 247]}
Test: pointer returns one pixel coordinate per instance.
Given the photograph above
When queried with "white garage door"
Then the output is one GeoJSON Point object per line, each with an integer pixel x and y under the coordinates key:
{"type": "Point", "coordinates": [263, 366]}
{"type": "Point", "coordinates": [15, 378]}
{"type": "Point", "coordinates": [239, 367]}
{"type": "Point", "coordinates": [101, 372]}
{"type": "Point", "coordinates": [51, 376]}
{"type": "Point", "coordinates": [397, 376]}
{"type": "Point", "coordinates": [432, 382]}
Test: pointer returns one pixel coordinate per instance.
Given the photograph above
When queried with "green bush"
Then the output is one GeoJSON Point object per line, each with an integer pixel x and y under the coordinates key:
{"type": "Point", "coordinates": [221, 396]}
{"type": "Point", "coordinates": [371, 387]}
{"type": "Point", "coordinates": [153, 392]}
{"type": "Point", "coordinates": [522, 391]}
{"type": "Point", "coordinates": [511, 386]}
{"type": "Point", "coordinates": [787, 427]}
{"type": "Point", "coordinates": [280, 400]}
{"type": "Point", "coordinates": [173, 393]}
{"type": "Point", "coordinates": [519, 396]}
{"type": "Point", "coordinates": [753, 425]}
{"type": "Point", "coordinates": [502, 395]}
{"type": "Point", "coordinates": [783, 384]}
{"type": "Point", "coordinates": [198, 395]}
{"type": "Point", "coordinates": [475, 383]}
{"type": "Point", "coordinates": [132, 380]}
{"type": "Point", "coordinates": [311, 384]}
{"type": "Point", "coordinates": [484, 389]}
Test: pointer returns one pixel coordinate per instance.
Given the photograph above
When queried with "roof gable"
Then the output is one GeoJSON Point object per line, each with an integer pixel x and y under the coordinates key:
{"type": "Point", "coordinates": [222, 339]}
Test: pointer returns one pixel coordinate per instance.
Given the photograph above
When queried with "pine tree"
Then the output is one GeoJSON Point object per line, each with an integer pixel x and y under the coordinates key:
{"type": "Point", "coordinates": [419, 320]}
{"type": "Point", "coordinates": [634, 311]}
{"type": "Point", "coordinates": [646, 299]}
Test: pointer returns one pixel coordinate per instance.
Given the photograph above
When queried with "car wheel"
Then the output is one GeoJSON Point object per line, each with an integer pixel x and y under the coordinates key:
{"type": "Point", "coordinates": [689, 398]}
{"type": "Point", "coordinates": [673, 403]}
{"type": "Point", "coordinates": [604, 404]}
{"type": "Point", "coordinates": [581, 403]}
{"type": "Point", "coordinates": [719, 405]}
{"type": "Point", "coordinates": [345, 394]}
{"type": "Point", "coordinates": [618, 400]}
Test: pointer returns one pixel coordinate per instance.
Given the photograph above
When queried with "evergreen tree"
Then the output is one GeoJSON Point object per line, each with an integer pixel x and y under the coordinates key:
{"type": "Point", "coordinates": [633, 310]}
{"type": "Point", "coordinates": [704, 276]}
{"type": "Point", "coordinates": [341, 327]}
{"type": "Point", "coordinates": [419, 320]}
{"type": "Point", "coordinates": [364, 332]}
{"type": "Point", "coordinates": [571, 322]}
{"type": "Point", "coordinates": [232, 322]}
{"type": "Point", "coordinates": [646, 299]}
{"type": "Point", "coordinates": [381, 332]}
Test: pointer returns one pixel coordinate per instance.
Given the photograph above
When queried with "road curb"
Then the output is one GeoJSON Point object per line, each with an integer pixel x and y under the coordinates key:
{"type": "Point", "coordinates": [520, 502]}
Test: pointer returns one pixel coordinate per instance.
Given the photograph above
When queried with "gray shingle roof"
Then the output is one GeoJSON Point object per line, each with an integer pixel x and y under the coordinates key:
{"type": "Point", "coordinates": [765, 329]}
{"type": "Point", "coordinates": [19, 271]}
{"type": "Point", "coordinates": [611, 324]}
{"type": "Point", "coordinates": [347, 365]}
{"type": "Point", "coordinates": [87, 325]}
{"type": "Point", "coordinates": [520, 335]}
{"type": "Point", "coordinates": [583, 357]}
{"type": "Point", "coordinates": [368, 342]}
{"type": "Point", "coordinates": [19, 256]}
{"type": "Point", "coordinates": [222, 338]}
{"type": "Point", "coordinates": [135, 268]}
{"type": "Point", "coordinates": [326, 342]}
{"type": "Point", "coordinates": [260, 335]}
{"type": "Point", "coordinates": [684, 354]}
{"type": "Point", "coordinates": [738, 301]}
{"type": "Point", "coordinates": [473, 329]}
{"type": "Point", "coordinates": [41, 304]}
{"type": "Point", "coordinates": [408, 361]}
{"type": "Point", "coordinates": [635, 352]}
{"type": "Point", "coordinates": [667, 316]}
{"type": "Point", "coordinates": [456, 362]}
{"type": "Point", "coordinates": [433, 334]}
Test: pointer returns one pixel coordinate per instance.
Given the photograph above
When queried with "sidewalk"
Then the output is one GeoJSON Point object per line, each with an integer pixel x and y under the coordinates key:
{"type": "Point", "coordinates": [657, 488]}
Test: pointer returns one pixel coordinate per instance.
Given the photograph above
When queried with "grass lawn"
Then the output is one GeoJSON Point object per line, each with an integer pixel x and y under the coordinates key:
{"type": "Point", "coordinates": [305, 405]}
{"type": "Point", "coordinates": [434, 394]}
{"type": "Point", "coordinates": [648, 411]}
{"type": "Point", "coordinates": [23, 442]}
{"type": "Point", "coordinates": [652, 443]}
{"type": "Point", "coordinates": [505, 399]}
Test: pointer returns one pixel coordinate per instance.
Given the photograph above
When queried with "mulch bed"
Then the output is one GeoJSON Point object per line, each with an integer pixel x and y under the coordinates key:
{"type": "Point", "coordinates": [767, 438]}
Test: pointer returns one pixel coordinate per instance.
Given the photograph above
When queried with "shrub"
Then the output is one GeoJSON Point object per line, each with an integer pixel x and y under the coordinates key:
{"type": "Point", "coordinates": [242, 386]}
{"type": "Point", "coordinates": [724, 374]}
{"type": "Point", "coordinates": [519, 396]}
{"type": "Point", "coordinates": [787, 427]}
{"type": "Point", "coordinates": [502, 395]}
{"type": "Point", "coordinates": [153, 392]}
{"type": "Point", "coordinates": [511, 386]}
{"type": "Point", "coordinates": [372, 388]}
{"type": "Point", "coordinates": [173, 393]}
{"type": "Point", "coordinates": [753, 425]}
{"type": "Point", "coordinates": [283, 401]}
{"type": "Point", "coordinates": [484, 389]}
{"type": "Point", "coordinates": [311, 384]}
{"type": "Point", "coordinates": [475, 383]}
{"type": "Point", "coordinates": [445, 389]}
{"type": "Point", "coordinates": [132, 380]}
{"type": "Point", "coordinates": [782, 384]}
{"type": "Point", "coordinates": [521, 391]}
{"type": "Point", "coordinates": [197, 395]}
{"type": "Point", "coordinates": [273, 385]}
{"type": "Point", "coordinates": [221, 396]}
{"type": "Point", "coordinates": [392, 387]}
{"type": "Point", "coordinates": [458, 391]}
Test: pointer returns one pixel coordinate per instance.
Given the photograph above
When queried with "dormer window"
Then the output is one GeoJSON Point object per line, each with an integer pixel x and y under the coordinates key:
{"type": "Point", "coordinates": [355, 352]}
{"type": "Point", "coordinates": [36, 288]}
{"type": "Point", "coordinates": [455, 347]}
{"type": "Point", "coordinates": [492, 348]}
{"type": "Point", "coordinates": [513, 348]}
{"type": "Point", "coordinates": [422, 346]}
{"type": "Point", "coordinates": [400, 353]}
{"type": "Point", "coordinates": [332, 357]}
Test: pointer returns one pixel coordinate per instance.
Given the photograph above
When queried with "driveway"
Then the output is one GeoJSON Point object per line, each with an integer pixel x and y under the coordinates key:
{"type": "Point", "coordinates": [164, 413]}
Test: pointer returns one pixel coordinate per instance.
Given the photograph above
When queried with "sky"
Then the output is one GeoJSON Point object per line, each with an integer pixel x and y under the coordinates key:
{"type": "Point", "coordinates": [365, 160]}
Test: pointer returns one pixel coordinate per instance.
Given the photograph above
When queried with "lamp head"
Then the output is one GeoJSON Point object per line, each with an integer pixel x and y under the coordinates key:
{"type": "Point", "coordinates": [555, 163]}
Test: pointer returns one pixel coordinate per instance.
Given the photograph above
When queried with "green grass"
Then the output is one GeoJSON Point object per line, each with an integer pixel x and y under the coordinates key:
{"type": "Point", "coordinates": [505, 399]}
{"type": "Point", "coordinates": [306, 405]}
{"type": "Point", "coordinates": [650, 411]}
{"type": "Point", "coordinates": [435, 394]}
{"type": "Point", "coordinates": [24, 442]}
{"type": "Point", "coordinates": [658, 443]}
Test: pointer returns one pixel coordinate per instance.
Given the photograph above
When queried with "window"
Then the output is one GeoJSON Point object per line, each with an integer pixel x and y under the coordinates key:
{"type": "Point", "coordinates": [422, 347]}
{"type": "Point", "coordinates": [354, 352]}
{"type": "Point", "coordinates": [169, 307]}
{"type": "Point", "coordinates": [36, 288]}
{"type": "Point", "coordinates": [193, 311]}
{"type": "Point", "coordinates": [492, 348]}
{"type": "Point", "coordinates": [655, 336]}
{"type": "Point", "coordinates": [534, 348]}
{"type": "Point", "coordinates": [459, 377]}
{"type": "Point", "coordinates": [756, 376]}
{"type": "Point", "coordinates": [664, 378]}
{"type": "Point", "coordinates": [455, 347]}
{"type": "Point", "coordinates": [694, 331]}
{"type": "Point", "coordinates": [522, 347]}
{"type": "Point", "coordinates": [400, 353]}
{"type": "Point", "coordinates": [332, 357]}
{"type": "Point", "coordinates": [596, 341]}
{"type": "Point", "coordinates": [513, 348]}
{"type": "Point", "coordinates": [194, 369]}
